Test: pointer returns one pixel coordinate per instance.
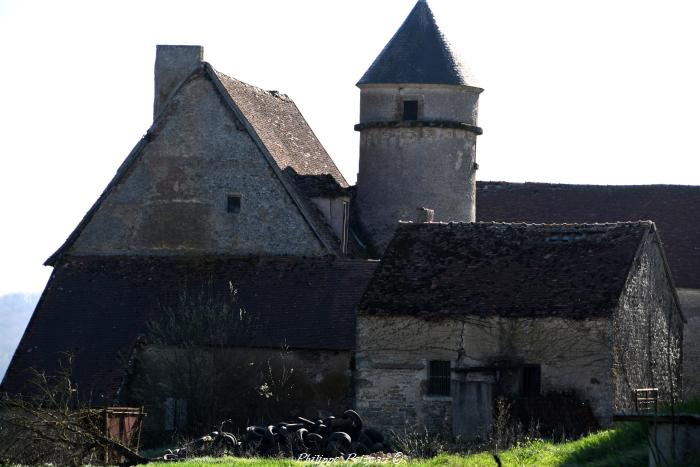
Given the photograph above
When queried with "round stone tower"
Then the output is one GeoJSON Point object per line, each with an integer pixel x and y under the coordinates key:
{"type": "Point", "coordinates": [418, 128]}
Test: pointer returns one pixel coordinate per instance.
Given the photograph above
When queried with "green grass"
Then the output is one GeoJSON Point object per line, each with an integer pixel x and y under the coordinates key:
{"type": "Point", "coordinates": [624, 445]}
{"type": "Point", "coordinates": [691, 406]}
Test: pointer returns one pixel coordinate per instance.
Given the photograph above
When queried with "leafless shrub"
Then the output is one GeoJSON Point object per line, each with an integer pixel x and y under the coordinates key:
{"type": "Point", "coordinates": [418, 443]}
{"type": "Point", "coordinates": [507, 431]}
{"type": "Point", "coordinates": [188, 354]}
{"type": "Point", "coordinates": [52, 425]}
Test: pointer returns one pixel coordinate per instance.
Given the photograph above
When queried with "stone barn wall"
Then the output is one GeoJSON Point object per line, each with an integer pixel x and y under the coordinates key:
{"type": "Point", "coordinates": [393, 355]}
{"type": "Point", "coordinates": [249, 385]}
{"type": "Point", "coordinates": [648, 332]}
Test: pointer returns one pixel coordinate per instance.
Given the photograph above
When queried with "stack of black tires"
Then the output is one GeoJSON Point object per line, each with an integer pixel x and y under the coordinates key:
{"type": "Point", "coordinates": [329, 437]}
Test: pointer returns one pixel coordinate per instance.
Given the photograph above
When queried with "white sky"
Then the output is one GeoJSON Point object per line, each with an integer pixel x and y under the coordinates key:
{"type": "Point", "coordinates": [576, 91]}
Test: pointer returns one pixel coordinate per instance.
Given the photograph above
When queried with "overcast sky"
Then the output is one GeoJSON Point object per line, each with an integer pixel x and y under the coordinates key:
{"type": "Point", "coordinates": [575, 92]}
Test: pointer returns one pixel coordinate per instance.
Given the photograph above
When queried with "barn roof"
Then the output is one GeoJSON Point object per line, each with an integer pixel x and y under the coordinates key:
{"type": "Point", "coordinates": [673, 208]}
{"type": "Point", "coordinates": [433, 270]}
{"type": "Point", "coordinates": [418, 54]}
{"type": "Point", "coordinates": [286, 134]}
{"type": "Point", "coordinates": [97, 307]}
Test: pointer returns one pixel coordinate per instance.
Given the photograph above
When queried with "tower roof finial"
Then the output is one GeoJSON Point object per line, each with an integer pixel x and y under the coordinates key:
{"type": "Point", "coordinates": [419, 54]}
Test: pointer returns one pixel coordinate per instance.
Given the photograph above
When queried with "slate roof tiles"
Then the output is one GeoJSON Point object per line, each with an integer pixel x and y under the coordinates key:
{"type": "Point", "coordinates": [675, 209]}
{"type": "Point", "coordinates": [284, 131]}
{"type": "Point", "coordinates": [434, 270]}
{"type": "Point", "coordinates": [419, 54]}
{"type": "Point", "coordinates": [97, 307]}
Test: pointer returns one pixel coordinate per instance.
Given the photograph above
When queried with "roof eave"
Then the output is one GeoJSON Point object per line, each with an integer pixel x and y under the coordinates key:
{"type": "Point", "coordinates": [471, 87]}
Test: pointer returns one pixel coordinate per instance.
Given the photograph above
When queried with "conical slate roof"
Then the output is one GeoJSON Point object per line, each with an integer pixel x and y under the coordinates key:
{"type": "Point", "coordinates": [418, 54]}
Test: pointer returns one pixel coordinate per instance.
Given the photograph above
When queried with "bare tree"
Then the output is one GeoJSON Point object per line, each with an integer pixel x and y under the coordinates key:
{"type": "Point", "coordinates": [51, 424]}
{"type": "Point", "coordinates": [195, 352]}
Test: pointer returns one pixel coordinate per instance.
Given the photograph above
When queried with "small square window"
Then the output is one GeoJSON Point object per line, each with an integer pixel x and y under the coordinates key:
{"type": "Point", "coordinates": [439, 378]}
{"type": "Point", "coordinates": [234, 203]}
{"type": "Point", "coordinates": [410, 110]}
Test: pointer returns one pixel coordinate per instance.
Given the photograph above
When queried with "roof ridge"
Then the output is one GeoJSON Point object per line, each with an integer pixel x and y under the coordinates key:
{"type": "Point", "coordinates": [640, 222]}
{"type": "Point", "coordinates": [210, 257]}
{"type": "Point", "coordinates": [586, 185]}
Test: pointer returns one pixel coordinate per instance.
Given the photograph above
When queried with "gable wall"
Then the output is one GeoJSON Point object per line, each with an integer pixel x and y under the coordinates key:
{"type": "Point", "coordinates": [174, 197]}
{"type": "Point", "coordinates": [648, 331]}
{"type": "Point", "coordinates": [393, 354]}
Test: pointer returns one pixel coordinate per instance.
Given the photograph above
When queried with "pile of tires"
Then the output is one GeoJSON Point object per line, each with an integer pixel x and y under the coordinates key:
{"type": "Point", "coordinates": [217, 443]}
{"type": "Point", "coordinates": [328, 437]}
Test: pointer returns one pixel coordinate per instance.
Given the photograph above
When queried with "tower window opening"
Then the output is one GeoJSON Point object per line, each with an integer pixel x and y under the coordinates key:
{"type": "Point", "coordinates": [410, 110]}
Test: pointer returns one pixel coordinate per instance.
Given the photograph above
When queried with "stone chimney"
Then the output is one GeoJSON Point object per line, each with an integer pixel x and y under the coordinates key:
{"type": "Point", "coordinates": [174, 63]}
{"type": "Point", "coordinates": [425, 215]}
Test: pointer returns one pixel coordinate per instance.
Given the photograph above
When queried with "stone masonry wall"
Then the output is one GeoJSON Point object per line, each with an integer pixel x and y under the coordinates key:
{"type": "Point", "coordinates": [404, 168]}
{"type": "Point", "coordinates": [690, 303]}
{"type": "Point", "coordinates": [393, 355]}
{"type": "Point", "coordinates": [380, 103]}
{"type": "Point", "coordinates": [648, 332]}
{"type": "Point", "coordinates": [319, 383]}
{"type": "Point", "coordinates": [174, 198]}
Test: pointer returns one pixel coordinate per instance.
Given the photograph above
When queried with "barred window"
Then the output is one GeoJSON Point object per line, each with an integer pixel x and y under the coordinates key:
{"type": "Point", "coordinates": [439, 377]}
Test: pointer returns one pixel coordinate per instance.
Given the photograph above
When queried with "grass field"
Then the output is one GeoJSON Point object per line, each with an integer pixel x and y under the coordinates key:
{"type": "Point", "coordinates": [624, 445]}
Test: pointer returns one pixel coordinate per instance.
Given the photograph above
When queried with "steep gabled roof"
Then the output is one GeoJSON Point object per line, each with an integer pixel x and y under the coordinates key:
{"type": "Point", "coordinates": [673, 208]}
{"type": "Point", "coordinates": [97, 307]}
{"type": "Point", "coordinates": [483, 269]}
{"type": "Point", "coordinates": [283, 130]}
{"type": "Point", "coordinates": [418, 54]}
{"type": "Point", "coordinates": [274, 122]}
{"type": "Point", "coordinates": [283, 135]}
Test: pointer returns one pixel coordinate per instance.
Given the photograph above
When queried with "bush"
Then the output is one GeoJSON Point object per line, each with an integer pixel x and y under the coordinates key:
{"type": "Point", "coordinates": [420, 444]}
{"type": "Point", "coordinates": [51, 425]}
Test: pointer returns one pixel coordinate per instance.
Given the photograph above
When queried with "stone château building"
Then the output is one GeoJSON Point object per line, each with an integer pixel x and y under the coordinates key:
{"type": "Point", "coordinates": [230, 188]}
{"type": "Point", "coordinates": [514, 310]}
